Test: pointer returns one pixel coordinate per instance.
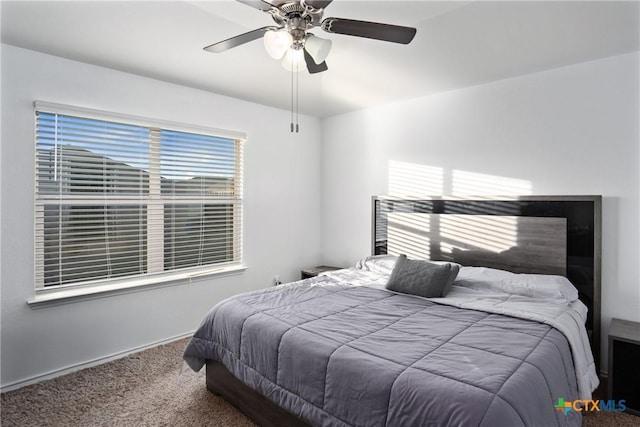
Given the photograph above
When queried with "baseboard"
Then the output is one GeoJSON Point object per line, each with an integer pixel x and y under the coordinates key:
{"type": "Point", "coordinates": [99, 361]}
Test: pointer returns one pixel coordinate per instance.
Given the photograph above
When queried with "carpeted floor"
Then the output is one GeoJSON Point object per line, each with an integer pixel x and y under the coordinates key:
{"type": "Point", "coordinates": [144, 389]}
{"type": "Point", "coordinates": [147, 389]}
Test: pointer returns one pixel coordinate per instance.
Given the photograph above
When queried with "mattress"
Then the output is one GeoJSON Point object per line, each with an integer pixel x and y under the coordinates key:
{"type": "Point", "coordinates": [337, 353]}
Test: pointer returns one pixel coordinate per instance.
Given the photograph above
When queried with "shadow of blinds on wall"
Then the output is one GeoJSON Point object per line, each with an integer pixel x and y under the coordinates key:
{"type": "Point", "coordinates": [117, 200]}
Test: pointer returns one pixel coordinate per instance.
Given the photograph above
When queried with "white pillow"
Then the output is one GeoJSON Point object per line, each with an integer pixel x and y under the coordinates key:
{"type": "Point", "coordinates": [379, 263]}
{"type": "Point", "coordinates": [582, 309]}
{"type": "Point", "coordinates": [543, 286]}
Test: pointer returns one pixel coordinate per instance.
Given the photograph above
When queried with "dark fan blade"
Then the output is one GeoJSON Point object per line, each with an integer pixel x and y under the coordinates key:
{"type": "Point", "coordinates": [318, 4]}
{"type": "Point", "coordinates": [238, 40]}
{"type": "Point", "coordinates": [312, 66]}
{"type": "Point", "coordinates": [257, 4]}
{"type": "Point", "coordinates": [370, 30]}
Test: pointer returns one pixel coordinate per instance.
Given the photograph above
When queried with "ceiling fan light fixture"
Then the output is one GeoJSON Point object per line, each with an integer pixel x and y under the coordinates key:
{"type": "Point", "coordinates": [317, 47]}
{"type": "Point", "coordinates": [294, 60]}
{"type": "Point", "coordinates": [277, 43]}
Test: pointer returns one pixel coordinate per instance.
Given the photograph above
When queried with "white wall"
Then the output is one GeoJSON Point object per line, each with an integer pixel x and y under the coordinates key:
{"type": "Point", "coordinates": [282, 212]}
{"type": "Point", "coordinates": [568, 131]}
{"type": "Point", "coordinates": [573, 130]}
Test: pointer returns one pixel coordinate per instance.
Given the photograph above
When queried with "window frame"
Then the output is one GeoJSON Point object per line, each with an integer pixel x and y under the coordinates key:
{"type": "Point", "coordinates": [99, 287]}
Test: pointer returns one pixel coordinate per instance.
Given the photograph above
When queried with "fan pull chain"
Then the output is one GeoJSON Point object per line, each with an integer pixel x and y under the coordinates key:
{"type": "Point", "coordinates": [292, 98]}
{"type": "Point", "coordinates": [295, 95]}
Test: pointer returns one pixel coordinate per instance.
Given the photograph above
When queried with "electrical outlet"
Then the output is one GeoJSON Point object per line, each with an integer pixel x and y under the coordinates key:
{"type": "Point", "coordinates": [276, 280]}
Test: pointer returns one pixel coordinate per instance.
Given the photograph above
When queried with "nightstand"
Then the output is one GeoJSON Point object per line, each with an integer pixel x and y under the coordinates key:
{"type": "Point", "coordinates": [624, 359]}
{"type": "Point", "coordinates": [314, 271]}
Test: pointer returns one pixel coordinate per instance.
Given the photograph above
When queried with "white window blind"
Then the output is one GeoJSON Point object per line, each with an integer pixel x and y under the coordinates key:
{"type": "Point", "coordinates": [119, 200]}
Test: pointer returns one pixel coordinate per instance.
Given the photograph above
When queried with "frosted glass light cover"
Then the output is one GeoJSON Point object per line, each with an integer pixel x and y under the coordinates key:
{"type": "Point", "coordinates": [276, 43]}
{"type": "Point", "coordinates": [318, 48]}
{"type": "Point", "coordinates": [294, 60]}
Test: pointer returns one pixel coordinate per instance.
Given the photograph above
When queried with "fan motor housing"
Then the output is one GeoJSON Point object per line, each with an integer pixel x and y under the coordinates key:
{"type": "Point", "coordinates": [287, 10]}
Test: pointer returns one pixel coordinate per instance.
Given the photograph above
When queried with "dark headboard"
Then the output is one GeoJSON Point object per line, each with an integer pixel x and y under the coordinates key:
{"type": "Point", "coordinates": [523, 234]}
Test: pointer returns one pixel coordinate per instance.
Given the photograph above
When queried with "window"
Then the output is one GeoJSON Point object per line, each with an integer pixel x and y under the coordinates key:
{"type": "Point", "coordinates": [120, 198]}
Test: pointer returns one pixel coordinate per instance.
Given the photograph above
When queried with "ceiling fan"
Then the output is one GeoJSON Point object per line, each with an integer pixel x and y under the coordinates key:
{"type": "Point", "coordinates": [291, 41]}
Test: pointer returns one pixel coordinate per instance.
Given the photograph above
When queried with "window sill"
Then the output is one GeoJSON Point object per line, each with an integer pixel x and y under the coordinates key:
{"type": "Point", "coordinates": [48, 297]}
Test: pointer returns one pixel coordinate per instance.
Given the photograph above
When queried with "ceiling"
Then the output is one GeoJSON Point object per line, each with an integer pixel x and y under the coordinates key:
{"type": "Point", "coordinates": [458, 44]}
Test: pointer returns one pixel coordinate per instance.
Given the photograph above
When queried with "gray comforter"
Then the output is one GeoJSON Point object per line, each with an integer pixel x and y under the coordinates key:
{"type": "Point", "coordinates": [336, 354]}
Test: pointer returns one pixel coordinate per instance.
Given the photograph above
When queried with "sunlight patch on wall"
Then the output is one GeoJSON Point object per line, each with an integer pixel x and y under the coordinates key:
{"type": "Point", "coordinates": [422, 235]}
{"type": "Point", "coordinates": [407, 233]}
{"type": "Point", "coordinates": [434, 236]}
{"type": "Point", "coordinates": [447, 248]}
{"type": "Point", "coordinates": [491, 233]}
{"type": "Point", "coordinates": [472, 183]}
{"type": "Point", "coordinates": [414, 180]}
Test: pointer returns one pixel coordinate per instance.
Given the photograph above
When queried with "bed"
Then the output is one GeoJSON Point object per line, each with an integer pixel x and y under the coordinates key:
{"type": "Point", "coordinates": [506, 340]}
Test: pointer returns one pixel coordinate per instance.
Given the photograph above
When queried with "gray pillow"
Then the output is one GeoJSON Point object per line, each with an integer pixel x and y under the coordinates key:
{"type": "Point", "coordinates": [455, 269]}
{"type": "Point", "coordinates": [422, 278]}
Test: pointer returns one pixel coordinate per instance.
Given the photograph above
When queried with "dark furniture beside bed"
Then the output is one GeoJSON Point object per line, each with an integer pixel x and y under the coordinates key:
{"type": "Point", "coordinates": [579, 260]}
{"type": "Point", "coordinates": [624, 363]}
{"type": "Point", "coordinates": [314, 271]}
{"type": "Point", "coordinates": [254, 405]}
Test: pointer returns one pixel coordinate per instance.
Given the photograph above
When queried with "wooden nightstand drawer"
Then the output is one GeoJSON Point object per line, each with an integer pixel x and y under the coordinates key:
{"type": "Point", "coordinates": [314, 271]}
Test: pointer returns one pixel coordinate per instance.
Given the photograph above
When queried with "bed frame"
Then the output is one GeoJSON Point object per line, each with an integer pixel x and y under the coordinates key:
{"type": "Point", "coordinates": [522, 234]}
